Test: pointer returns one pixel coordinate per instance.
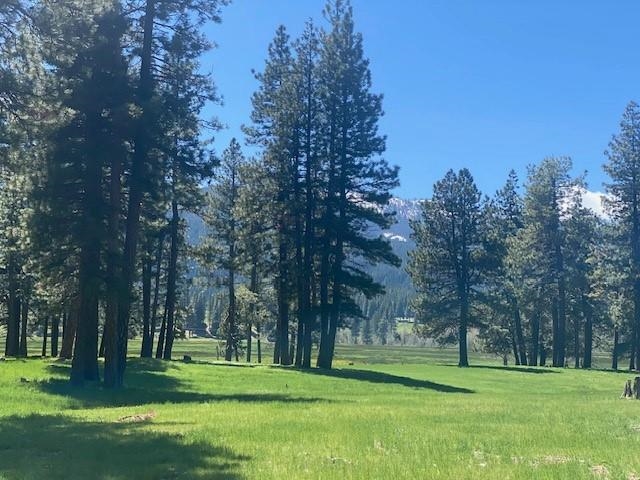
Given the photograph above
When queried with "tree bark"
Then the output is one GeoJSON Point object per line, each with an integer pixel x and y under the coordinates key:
{"type": "Point", "coordinates": [259, 341]}
{"type": "Point", "coordinates": [12, 346]}
{"type": "Point", "coordinates": [113, 293]}
{"type": "Point", "coordinates": [161, 336]}
{"type": "Point", "coordinates": [283, 300]}
{"type": "Point", "coordinates": [147, 350]}
{"type": "Point", "coordinates": [136, 190]}
{"type": "Point", "coordinates": [576, 343]}
{"type": "Point", "coordinates": [55, 335]}
{"type": "Point", "coordinates": [588, 334]}
{"type": "Point", "coordinates": [517, 320]}
{"type": "Point", "coordinates": [172, 273]}
{"type": "Point", "coordinates": [253, 287]}
{"type": "Point", "coordinates": [535, 339]}
{"type": "Point", "coordinates": [24, 314]}
{"type": "Point", "coordinates": [146, 309]}
{"type": "Point", "coordinates": [44, 335]}
{"type": "Point", "coordinates": [614, 356]}
{"type": "Point", "coordinates": [69, 332]}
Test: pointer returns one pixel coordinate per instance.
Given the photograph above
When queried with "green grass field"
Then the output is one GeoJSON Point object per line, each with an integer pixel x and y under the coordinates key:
{"type": "Point", "coordinates": [396, 412]}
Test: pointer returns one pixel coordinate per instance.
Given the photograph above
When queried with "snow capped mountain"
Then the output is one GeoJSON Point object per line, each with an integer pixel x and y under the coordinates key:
{"type": "Point", "coordinates": [405, 210]}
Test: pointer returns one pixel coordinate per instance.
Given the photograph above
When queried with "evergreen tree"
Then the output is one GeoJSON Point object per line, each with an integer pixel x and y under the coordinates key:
{"type": "Point", "coordinates": [358, 182]}
{"type": "Point", "coordinates": [221, 248]}
{"type": "Point", "coordinates": [623, 167]}
{"type": "Point", "coordinates": [448, 262]}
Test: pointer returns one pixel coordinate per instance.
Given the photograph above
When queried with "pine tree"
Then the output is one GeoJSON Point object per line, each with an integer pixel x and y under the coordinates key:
{"type": "Point", "coordinates": [448, 260]}
{"type": "Point", "coordinates": [358, 182]}
{"type": "Point", "coordinates": [623, 167]}
{"type": "Point", "coordinates": [221, 248]}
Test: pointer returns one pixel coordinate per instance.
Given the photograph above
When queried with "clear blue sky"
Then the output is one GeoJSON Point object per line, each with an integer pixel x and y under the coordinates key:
{"type": "Point", "coordinates": [489, 85]}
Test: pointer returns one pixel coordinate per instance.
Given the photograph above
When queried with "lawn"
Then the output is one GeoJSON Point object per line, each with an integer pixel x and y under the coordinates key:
{"type": "Point", "coordinates": [385, 412]}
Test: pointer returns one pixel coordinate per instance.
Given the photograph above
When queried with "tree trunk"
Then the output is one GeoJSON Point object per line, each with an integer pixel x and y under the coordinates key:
{"type": "Point", "coordinates": [69, 332]}
{"type": "Point", "coordinates": [516, 354]}
{"type": "Point", "coordinates": [324, 304]}
{"type": "Point", "coordinates": [259, 341]}
{"type": "Point", "coordinates": [161, 335]}
{"type": "Point", "coordinates": [170, 305]}
{"type": "Point", "coordinates": [576, 343]}
{"type": "Point", "coordinates": [102, 345]}
{"type": "Point", "coordinates": [517, 320]}
{"type": "Point", "coordinates": [146, 308]}
{"type": "Point", "coordinates": [12, 346]}
{"type": "Point", "coordinates": [24, 313]}
{"type": "Point", "coordinates": [283, 300]}
{"type": "Point", "coordinates": [55, 335]}
{"type": "Point", "coordinates": [110, 333]}
{"type": "Point", "coordinates": [555, 333]}
{"type": "Point", "coordinates": [462, 334]}
{"type": "Point", "coordinates": [137, 181]}
{"type": "Point", "coordinates": [253, 287]}
{"type": "Point", "coordinates": [588, 334]}
{"type": "Point", "coordinates": [45, 334]}
{"type": "Point", "coordinates": [231, 317]}
{"type": "Point", "coordinates": [535, 339]}
{"type": "Point", "coordinates": [614, 356]}
{"type": "Point", "coordinates": [85, 355]}
{"type": "Point", "coordinates": [147, 350]}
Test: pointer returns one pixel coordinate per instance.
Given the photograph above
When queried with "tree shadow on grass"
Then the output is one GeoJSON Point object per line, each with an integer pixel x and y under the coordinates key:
{"type": "Point", "coordinates": [534, 370]}
{"type": "Point", "coordinates": [150, 387]}
{"type": "Point", "coordinates": [60, 447]}
{"type": "Point", "coordinates": [380, 377]}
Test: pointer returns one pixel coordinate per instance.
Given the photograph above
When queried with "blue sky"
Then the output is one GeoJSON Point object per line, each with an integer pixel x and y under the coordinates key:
{"type": "Point", "coordinates": [489, 85]}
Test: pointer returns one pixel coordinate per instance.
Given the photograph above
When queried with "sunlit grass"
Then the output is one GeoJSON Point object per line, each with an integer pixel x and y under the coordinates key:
{"type": "Point", "coordinates": [413, 416]}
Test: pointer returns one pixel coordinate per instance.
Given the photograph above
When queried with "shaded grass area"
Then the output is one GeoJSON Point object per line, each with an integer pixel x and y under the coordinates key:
{"type": "Point", "coordinates": [379, 377]}
{"type": "Point", "coordinates": [62, 447]}
{"type": "Point", "coordinates": [204, 420]}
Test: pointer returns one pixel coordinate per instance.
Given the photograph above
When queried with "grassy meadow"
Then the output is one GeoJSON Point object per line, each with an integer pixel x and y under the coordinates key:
{"type": "Point", "coordinates": [383, 413]}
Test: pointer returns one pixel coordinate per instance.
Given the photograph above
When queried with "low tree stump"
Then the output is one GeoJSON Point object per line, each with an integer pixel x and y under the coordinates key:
{"type": "Point", "coordinates": [632, 389]}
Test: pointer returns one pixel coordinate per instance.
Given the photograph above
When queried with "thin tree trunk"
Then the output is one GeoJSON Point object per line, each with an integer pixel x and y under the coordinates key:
{"type": "Point", "coordinates": [253, 287]}
{"type": "Point", "coordinates": [110, 335]}
{"type": "Point", "coordinates": [516, 354]}
{"type": "Point", "coordinates": [146, 309]}
{"type": "Point", "coordinates": [102, 346]}
{"type": "Point", "coordinates": [576, 343]}
{"type": "Point", "coordinates": [12, 346]}
{"type": "Point", "coordinates": [55, 335]}
{"type": "Point", "coordinates": [555, 340]}
{"type": "Point", "coordinates": [259, 341]}
{"type": "Point", "coordinates": [543, 347]}
{"type": "Point", "coordinates": [24, 314]}
{"type": "Point", "coordinates": [614, 356]}
{"type": "Point", "coordinates": [170, 305]}
{"type": "Point", "coordinates": [148, 352]}
{"type": "Point", "coordinates": [161, 336]}
{"type": "Point", "coordinates": [588, 334]}
{"type": "Point", "coordinates": [462, 335]}
{"type": "Point", "coordinates": [137, 181]}
{"type": "Point", "coordinates": [535, 339]}
{"type": "Point", "coordinates": [45, 335]}
{"type": "Point", "coordinates": [231, 317]}
{"type": "Point", "coordinates": [517, 320]}
{"type": "Point", "coordinates": [69, 332]}
{"type": "Point", "coordinates": [283, 300]}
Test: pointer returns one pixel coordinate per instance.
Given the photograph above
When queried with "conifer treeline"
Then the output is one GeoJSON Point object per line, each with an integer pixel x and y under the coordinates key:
{"type": "Point", "coordinates": [104, 151]}
{"type": "Point", "coordinates": [539, 276]}
{"type": "Point", "coordinates": [315, 120]}
{"type": "Point", "coordinates": [101, 137]}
